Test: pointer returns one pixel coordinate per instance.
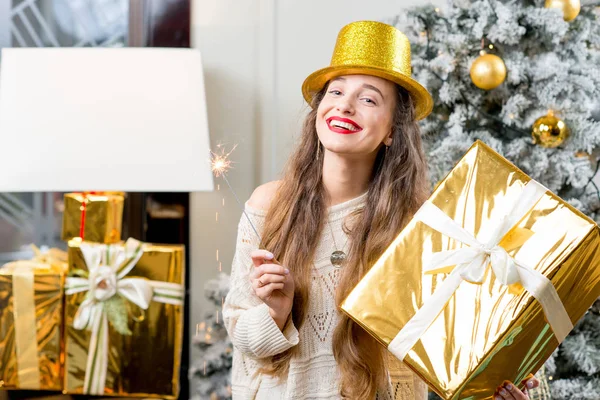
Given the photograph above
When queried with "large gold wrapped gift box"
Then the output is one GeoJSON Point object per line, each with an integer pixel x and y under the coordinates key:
{"type": "Point", "coordinates": [31, 298]}
{"type": "Point", "coordinates": [124, 319]}
{"type": "Point", "coordinates": [488, 327]}
{"type": "Point", "coordinates": [93, 217]}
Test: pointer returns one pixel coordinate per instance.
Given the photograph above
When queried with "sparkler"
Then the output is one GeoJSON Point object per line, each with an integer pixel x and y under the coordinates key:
{"type": "Point", "coordinates": [220, 164]}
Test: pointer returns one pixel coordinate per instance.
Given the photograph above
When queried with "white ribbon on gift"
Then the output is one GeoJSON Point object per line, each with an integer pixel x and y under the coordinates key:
{"type": "Point", "coordinates": [471, 263]}
{"type": "Point", "coordinates": [109, 264]}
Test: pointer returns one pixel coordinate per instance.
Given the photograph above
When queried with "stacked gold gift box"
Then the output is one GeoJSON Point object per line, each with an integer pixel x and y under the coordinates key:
{"type": "Point", "coordinates": [104, 318]}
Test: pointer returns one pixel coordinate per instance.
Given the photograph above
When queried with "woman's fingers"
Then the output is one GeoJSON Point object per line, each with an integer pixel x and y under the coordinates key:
{"type": "Point", "coordinates": [531, 382]}
{"type": "Point", "coordinates": [265, 279]}
{"type": "Point", "coordinates": [260, 256]}
{"type": "Point", "coordinates": [268, 277]}
{"type": "Point", "coordinates": [268, 269]}
{"type": "Point", "coordinates": [503, 394]}
{"type": "Point", "coordinates": [266, 291]}
{"type": "Point", "coordinates": [508, 391]}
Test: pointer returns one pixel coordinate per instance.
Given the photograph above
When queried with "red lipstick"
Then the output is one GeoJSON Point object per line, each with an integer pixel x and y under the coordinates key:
{"type": "Point", "coordinates": [341, 129]}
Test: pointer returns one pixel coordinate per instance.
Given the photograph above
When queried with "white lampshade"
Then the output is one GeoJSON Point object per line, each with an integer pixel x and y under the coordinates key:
{"type": "Point", "coordinates": [93, 119]}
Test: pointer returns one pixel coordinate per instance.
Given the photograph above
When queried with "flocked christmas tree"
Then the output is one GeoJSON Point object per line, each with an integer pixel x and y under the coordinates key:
{"type": "Point", "coordinates": [211, 371]}
{"type": "Point", "coordinates": [524, 77]}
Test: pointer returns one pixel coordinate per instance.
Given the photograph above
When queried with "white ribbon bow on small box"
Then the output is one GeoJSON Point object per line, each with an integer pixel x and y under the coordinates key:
{"type": "Point", "coordinates": [472, 262]}
{"type": "Point", "coordinates": [108, 288]}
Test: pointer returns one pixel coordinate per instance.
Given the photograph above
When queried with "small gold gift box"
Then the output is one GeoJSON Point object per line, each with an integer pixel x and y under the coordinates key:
{"type": "Point", "coordinates": [93, 216]}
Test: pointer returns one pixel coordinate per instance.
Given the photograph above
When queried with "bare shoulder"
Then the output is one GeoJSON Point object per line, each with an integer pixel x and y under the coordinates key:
{"type": "Point", "coordinates": [263, 195]}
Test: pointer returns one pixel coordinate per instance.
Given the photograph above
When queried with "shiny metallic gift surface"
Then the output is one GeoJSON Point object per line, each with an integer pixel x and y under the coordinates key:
{"type": "Point", "coordinates": [487, 332]}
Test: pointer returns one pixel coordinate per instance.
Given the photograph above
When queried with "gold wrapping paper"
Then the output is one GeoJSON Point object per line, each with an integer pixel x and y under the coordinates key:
{"type": "Point", "coordinates": [487, 333]}
{"type": "Point", "coordinates": [31, 323]}
{"type": "Point", "coordinates": [102, 218]}
{"type": "Point", "coordinates": [145, 364]}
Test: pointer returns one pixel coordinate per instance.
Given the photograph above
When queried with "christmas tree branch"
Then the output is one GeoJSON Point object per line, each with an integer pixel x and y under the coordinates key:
{"type": "Point", "coordinates": [485, 114]}
{"type": "Point", "coordinates": [591, 4]}
{"type": "Point", "coordinates": [591, 181]}
{"type": "Point", "coordinates": [597, 191]}
{"type": "Point", "coordinates": [493, 10]}
{"type": "Point", "coordinates": [595, 172]}
{"type": "Point", "coordinates": [427, 33]}
{"type": "Point", "coordinates": [493, 117]}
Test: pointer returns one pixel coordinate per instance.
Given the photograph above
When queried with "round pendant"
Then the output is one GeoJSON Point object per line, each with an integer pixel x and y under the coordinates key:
{"type": "Point", "coordinates": [337, 258]}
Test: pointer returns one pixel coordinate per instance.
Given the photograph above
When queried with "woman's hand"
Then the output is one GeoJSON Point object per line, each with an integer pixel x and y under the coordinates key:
{"type": "Point", "coordinates": [508, 391]}
{"type": "Point", "coordinates": [274, 285]}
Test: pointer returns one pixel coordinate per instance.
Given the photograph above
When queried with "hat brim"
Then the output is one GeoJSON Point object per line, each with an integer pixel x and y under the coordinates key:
{"type": "Point", "coordinates": [421, 97]}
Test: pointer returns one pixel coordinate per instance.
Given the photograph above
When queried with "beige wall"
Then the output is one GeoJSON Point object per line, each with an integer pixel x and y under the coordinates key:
{"type": "Point", "coordinates": [256, 54]}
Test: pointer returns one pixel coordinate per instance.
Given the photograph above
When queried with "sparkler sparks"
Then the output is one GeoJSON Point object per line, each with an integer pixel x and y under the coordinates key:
{"type": "Point", "coordinates": [220, 162]}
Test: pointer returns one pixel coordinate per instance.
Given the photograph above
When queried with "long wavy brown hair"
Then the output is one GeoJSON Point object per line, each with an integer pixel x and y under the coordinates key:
{"type": "Point", "coordinates": [397, 188]}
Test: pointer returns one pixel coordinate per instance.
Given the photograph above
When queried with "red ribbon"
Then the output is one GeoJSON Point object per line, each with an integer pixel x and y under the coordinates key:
{"type": "Point", "coordinates": [82, 223]}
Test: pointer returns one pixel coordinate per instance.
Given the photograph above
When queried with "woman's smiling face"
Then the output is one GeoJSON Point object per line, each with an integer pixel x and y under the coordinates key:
{"type": "Point", "coordinates": [356, 114]}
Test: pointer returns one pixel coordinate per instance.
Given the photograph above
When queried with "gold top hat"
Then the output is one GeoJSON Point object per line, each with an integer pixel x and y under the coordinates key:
{"type": "Point", "coordinates": [371, 48]}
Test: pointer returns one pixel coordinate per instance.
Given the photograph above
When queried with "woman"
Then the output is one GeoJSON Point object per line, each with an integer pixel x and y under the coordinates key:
{"type": "Point", "coordinates": [353, 182]}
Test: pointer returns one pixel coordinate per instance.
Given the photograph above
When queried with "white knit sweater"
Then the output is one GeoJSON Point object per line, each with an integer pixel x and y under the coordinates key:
{"type": "Point", "coordinates": [313, 372]}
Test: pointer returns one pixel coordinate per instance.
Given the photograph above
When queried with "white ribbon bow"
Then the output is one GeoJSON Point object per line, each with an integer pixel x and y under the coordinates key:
{"type": "Point", "coordinates": [471, 264]}
{"type": "Point", "coordinates": [108, 265]}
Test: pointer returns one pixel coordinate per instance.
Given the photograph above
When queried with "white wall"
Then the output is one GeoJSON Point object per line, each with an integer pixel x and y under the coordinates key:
{"type": "Point", "coordinates": [225, 31]}
{"type": "Point", "coordinates": [256, 54]}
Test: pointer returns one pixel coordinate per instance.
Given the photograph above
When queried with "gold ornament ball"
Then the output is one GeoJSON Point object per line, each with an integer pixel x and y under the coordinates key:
{"type": "Point", "coordinates": [488, 71]}
{"type": "Point", "coordinates": [570, 8]}
{"type": "Point", "coordinates": [549, 131]}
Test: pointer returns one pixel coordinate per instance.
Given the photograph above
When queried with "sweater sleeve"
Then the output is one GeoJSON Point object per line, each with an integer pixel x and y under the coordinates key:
{"type": "Point", "coordinates": [250, 326]}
